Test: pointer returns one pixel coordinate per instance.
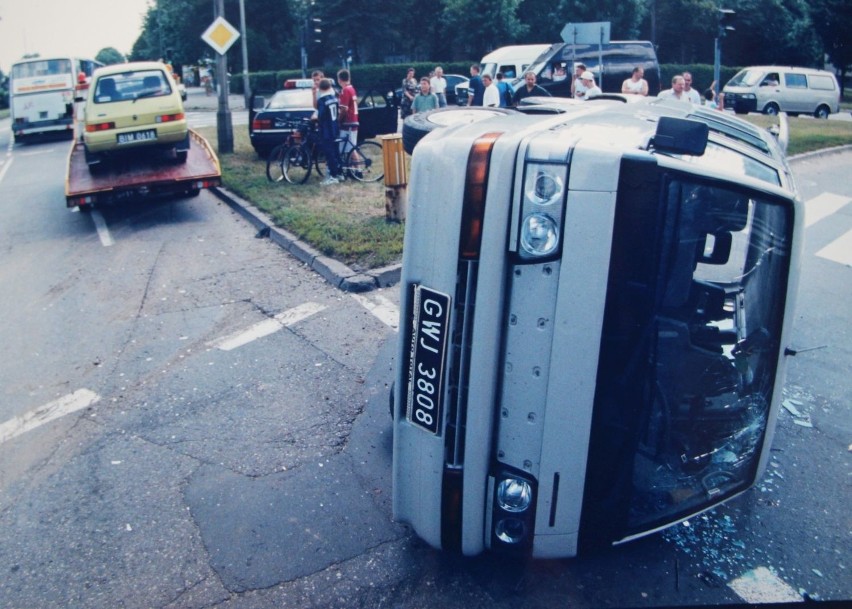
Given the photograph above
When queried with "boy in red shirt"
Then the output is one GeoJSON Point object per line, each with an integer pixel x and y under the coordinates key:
{"type": "Point", "coordinates": [348, 108]}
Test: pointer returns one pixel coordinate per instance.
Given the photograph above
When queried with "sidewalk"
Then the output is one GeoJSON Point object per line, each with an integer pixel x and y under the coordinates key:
{"type": "Point", "coordinates": [198, 100]}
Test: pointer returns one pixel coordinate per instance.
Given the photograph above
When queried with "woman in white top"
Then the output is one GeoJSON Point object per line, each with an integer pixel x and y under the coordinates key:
{"type": "Point", "coordinates": [636, 84]}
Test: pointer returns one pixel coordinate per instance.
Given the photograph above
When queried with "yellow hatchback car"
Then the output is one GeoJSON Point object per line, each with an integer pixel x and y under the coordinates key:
{"type": "Point", "coordinates": [134, 106]}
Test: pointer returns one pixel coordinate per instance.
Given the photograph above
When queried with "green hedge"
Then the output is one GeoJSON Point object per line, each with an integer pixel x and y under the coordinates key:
{"type": "Point", "coordinates": [389, 76]}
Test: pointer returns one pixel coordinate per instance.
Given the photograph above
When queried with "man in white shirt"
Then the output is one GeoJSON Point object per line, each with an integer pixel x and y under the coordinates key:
{"type": "Point", "coordinates": [491, 98]}
{"type": "Point", "coordinates": [691, 94]}
{"type": "Point", "coordinates": [438, 84]}
{"type": "Point", "coordinates": [676, 92]}
{"type": "Point", "coordinates": [590, 88]}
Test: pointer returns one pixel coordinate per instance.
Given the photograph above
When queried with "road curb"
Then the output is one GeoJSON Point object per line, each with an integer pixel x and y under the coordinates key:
{"type": "Point", "coordinates": [806, 156]}
{"type": "Point", "coordinates": [334, 272]}
{"type": "Point", "coordinates": [341, 276]}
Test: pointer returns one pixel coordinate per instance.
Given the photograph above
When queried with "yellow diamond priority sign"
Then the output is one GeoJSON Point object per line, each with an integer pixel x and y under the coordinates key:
{"type": "Point", "coordinates": [220, 35]}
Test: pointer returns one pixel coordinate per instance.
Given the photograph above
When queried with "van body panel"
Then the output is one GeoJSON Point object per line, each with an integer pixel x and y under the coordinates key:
{"type": "Point", "coordinates": [771, 89]}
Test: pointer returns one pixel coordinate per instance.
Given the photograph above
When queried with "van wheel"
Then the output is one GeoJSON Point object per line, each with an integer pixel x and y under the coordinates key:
{"type": "Point", "coordinates": [822, 112]}
{"type": "Point", "coordinates": [418, 125]}
{"type": "Point", "coordinates": [771, 109]}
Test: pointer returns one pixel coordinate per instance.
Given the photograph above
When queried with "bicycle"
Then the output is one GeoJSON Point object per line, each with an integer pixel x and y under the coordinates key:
{"type": "Point", "coordinates": [301, 133]}
{"type": "Point", "coordinates": [295, 162]}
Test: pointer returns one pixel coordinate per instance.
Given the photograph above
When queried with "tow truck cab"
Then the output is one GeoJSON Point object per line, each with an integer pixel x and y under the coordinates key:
{"type": "Point", "coordinates": [595, 307]}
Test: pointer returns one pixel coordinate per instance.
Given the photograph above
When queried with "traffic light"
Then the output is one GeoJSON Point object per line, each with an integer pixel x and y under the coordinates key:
{"type": "Point", "coordinates": [315, 24]}
{"type": "Point", "coordinates": [726, 16]}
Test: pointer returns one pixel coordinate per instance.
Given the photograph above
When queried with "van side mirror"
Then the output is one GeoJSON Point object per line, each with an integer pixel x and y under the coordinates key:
{"type": "Point", "coordinates": [681, 136]}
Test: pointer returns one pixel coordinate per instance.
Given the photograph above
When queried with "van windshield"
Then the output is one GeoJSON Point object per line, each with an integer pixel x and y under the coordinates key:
{"type": "Point", "coordinates": [746, 78]}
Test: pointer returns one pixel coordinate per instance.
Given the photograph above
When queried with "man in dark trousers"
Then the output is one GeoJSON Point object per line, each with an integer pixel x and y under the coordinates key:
{"type": "Point", "coordinates": [475, 87]}
{"type": "Point", "coordinates": [329, 129]}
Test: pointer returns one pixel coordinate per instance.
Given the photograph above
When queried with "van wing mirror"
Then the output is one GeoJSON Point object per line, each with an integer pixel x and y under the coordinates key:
{"type": "Point", "coordinates": [681, 136]}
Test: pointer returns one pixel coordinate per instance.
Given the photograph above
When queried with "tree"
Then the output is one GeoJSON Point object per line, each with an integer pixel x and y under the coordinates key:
{"type": "Point", "coordinates": [830, 19]}
{"type": "Point", "coordinates": [479, 26]}
{"type": "Point", "coordinates": [109, 56]}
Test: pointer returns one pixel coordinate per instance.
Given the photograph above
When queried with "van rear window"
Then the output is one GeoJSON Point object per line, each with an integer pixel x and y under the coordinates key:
{"type": "Point", "coordinates": [821, 82]}
{"type": "Point", "coordinates": [795, 81]}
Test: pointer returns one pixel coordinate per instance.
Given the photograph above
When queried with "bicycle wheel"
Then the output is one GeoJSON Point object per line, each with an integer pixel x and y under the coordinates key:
{"type": "Point", "coordinates": [365, 162]}
{"type": "Point", "coordinates": [275, 163]}
{"type": "Point", "coordinates": [297, 164]}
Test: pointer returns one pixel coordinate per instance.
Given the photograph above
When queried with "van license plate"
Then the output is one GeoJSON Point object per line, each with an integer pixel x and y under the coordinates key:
{"type": "Point", "coordinates": [428, 353]}
{"type": "Point", "coordinates": [137, 136]}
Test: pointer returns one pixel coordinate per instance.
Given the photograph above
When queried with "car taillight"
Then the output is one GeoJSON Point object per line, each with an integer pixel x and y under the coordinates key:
{"type": "Point", "coordinates": [261, 123]}
{"type": "Point", "coordinates": [100, 127]}
{"type": "Point", "coordinates": [170, 118]}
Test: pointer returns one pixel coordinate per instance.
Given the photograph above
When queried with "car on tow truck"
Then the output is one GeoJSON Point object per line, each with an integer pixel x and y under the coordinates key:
{"type": "Point", "coordinates": [132, 107]}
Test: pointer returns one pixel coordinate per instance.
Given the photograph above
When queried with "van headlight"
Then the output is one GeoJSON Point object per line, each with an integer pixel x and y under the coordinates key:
{"type": "Point", "coordinates": [539, 235]}
{"type": "Point", "coordinates": [512, 510]}
{"type": "Point", "coordinates": [542, 208]}
{"type": "Point", "coordinates": [514, 495]}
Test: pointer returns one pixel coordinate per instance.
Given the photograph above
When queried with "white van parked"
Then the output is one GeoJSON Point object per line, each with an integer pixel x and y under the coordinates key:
{"type": "Point", "coordinates": [774, 89]}
{"type": "Point", "coordinates": [512, 60]}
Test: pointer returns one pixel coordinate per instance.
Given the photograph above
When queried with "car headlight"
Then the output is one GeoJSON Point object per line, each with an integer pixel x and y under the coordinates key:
{"type": "Point", "coordinates": [539, 235]}
{"type": "Point", "coordinates": [543, 199]}
{"type": "Point", "coordinates": [514, 495]}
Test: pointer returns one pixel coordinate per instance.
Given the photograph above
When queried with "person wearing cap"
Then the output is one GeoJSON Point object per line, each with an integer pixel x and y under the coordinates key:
{"type": "Point", "coordinates": [591, 89]}
{"type": "Point", "coordinates": [529, 89]}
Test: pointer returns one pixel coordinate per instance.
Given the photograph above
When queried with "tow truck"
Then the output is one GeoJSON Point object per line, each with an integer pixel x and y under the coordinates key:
{"type": "Point", "coordinates": [140, 176]}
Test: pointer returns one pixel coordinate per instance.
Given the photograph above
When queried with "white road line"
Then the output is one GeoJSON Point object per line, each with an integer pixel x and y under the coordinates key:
{"type": "Point", "coordinates": [72, 402]}
{"type": "Point", "coordinates": [839, 250]}
{"type": "Point", "coordinates": [268, 326]}
{"type": "Point", "coordinates": [102, 228]}
{"type": "Point", "coordinates": [6, 166]}
{"type": "Point", "coordinates": [822, 206]}
{"type": "Point", "coordinates": [382, 307]}
{"type": "Point", "coordinates": [762, 586]}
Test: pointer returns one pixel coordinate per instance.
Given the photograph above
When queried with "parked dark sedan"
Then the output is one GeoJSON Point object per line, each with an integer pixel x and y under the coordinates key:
{"type": "Point", "coordinates": [272, 119]}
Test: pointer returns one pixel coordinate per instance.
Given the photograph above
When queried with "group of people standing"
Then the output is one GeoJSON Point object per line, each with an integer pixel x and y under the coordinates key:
{"type": "Point", "coordinates": [429, 93]}
{"type": "Point", "coordinates": [682, 90]}
{"type": "Point", "coordinates": [336, 118]}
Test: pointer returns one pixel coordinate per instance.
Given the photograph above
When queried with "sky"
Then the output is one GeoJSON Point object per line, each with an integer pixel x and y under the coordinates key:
{"type": "Point", "coordinates": [63, 27]}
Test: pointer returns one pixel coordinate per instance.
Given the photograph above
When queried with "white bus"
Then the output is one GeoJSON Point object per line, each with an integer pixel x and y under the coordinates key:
{"type": "Point", "coordinates": [42, 92]}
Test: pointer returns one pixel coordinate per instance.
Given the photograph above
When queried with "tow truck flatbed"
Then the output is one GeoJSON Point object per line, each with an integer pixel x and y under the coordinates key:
{"type": "Point", "coordinates": [141, 175]}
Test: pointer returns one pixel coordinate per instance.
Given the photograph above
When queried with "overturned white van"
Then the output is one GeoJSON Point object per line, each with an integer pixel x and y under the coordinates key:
{"type": "Point", "coordinates": [595, 308]}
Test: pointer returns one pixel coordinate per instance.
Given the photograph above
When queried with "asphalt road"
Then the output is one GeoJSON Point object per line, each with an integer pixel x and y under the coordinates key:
{"type": "Point", "coordinates": [189, 417]}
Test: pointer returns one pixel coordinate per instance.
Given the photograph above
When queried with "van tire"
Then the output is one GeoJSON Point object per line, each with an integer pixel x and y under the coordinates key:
{"type": "Point", "coordinates": [416, 126]}
{"type": "Point", "coordinates": [822, 112]}
{"type": "Point", "coordinates": [771, 109]}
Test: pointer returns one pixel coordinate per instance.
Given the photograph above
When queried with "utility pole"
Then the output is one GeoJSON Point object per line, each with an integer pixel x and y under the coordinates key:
{"type": "Point", "coordinates": [224, 128]}
{"type": "Point", "coordinates": [725, 14]}
{"type": "Point", "coordinates": [244, 37]}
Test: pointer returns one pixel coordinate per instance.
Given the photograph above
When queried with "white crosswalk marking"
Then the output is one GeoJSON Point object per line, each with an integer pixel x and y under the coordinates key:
{"type": "Point", "coordinates": [382, 307]}
{"type": "Point", "coordinates": [762, 586]}
{"type": "Point", "coordinates": [839, 250]}
{"type": "Point", "coordinates": [823, 206]}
